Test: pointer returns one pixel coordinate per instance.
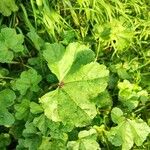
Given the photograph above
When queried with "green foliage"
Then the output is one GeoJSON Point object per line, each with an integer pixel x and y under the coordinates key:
{"type": "Point", "coordinates": [78, 83]}
{"type": "Point", "coordinates": [74, 75]}
{"type": "Point", "coordinates": [7, 98]}
{"type": "Point", "coordinates": [22, 109]}
{"type": "Point", "coordinates": [10, 43]}
{"type": "Point", "coordinates": [128, 131]}
{"type": "Point", "coordinates": [7, 7]}
{"type": "Point", "coordinates": [87, 140]}
{"type": "Point", "coordinates": [4, 140]}
{"type": "Point", "coordinates": [131, 94]}
{"type": "Point", "coordinates": [28, 81]}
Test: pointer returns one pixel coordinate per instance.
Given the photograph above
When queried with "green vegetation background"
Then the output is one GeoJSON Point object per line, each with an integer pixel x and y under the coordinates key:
{"type": "Point", "coordinates": [74, 74]}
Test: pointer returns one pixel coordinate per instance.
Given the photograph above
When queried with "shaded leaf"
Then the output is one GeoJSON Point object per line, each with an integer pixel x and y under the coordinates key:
{"type": "Point", "coordinates": [86, 141]}
{"type": "Point", "coordinates": [10, 43]}
{"type": "Point", "coordinates": [28, 81]}
{"type": "Point", "coordinates": [22, 109]}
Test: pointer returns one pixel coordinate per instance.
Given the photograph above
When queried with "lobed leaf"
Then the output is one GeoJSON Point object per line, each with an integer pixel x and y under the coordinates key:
{"type": "Point", "coordinates": [10, 43]}
{"type": "Point", "coordinates": [70, 102]}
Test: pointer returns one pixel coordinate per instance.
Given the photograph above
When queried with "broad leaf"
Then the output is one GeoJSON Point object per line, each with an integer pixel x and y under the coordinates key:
{"type": "Point", "coordinates": [10, 43]}
{"type": "Point", "coordinates": [78, 83]}
{"type": "Point", "coordinates": [60, 60]}
{"type": "Point", "coordinates": [127, 132]}
{"type": "Point", "coordinates": [86, 141]}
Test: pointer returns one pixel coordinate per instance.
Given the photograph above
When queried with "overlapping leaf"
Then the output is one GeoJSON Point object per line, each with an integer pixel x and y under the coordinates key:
{"type": "Point", "coordinates": [80, 79]}
{"type": "Point", "coordinates": [28, 81]}
{"type": "Point", "coordinates": [10, 43]}
{"type": "Point", "coordinates": [22, 109]}
{"type": "Point", "coordinates": [127, 132]}
{"type": "Point", "coordinates": [131, 94]}
{"type": "Point", "coordinates": [7, 7]}
{"type": "Point", "coordinates": [7, 97]}
{"type": "Point", "coordinates": [86, 141]}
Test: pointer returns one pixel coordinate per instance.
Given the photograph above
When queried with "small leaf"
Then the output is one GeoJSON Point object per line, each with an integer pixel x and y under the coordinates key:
{"type": "Point", "coordinates": [37, 41]}
{"type": "Point", "coordinates": [86, 141]}
{"type": "Point", "coordinates": [103, 100]}
{"type": "Point", "coordinates": [10, 43]}
{"type": "Point", "coordinates": [42, 123]}
{"type": "Point", "coordinates": [4, 140]}
{"type": "Point", "coordinates": [7, 98]}
{"type": "Point", "coordinates": [6, 118]}
{"type": "Point", "coordinates": [116, 115]}
{"type": "Point", "coordinates": [35, 108]}
{"type": "Point", "coordinates": [28, 81]}
{"type": "Point", "coordinates": [7, 7]}
{"type": "Point", "coordinates": [128, 132]}
{"type": "Point", "coordinates": [22, 109]}
{"type": "Point", "coordinates": [131, 94]}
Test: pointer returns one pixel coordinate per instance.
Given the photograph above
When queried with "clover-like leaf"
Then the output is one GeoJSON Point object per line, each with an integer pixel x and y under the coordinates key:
{"type": "Point", "coordinates": [80, 80]}
{"type": "Point", "coordinates": [86, 141]}
{"type": "Point", "coordinates": [7, 7]}
{"type": "Point", "coordinates": [128, 131]}
{"type": "Point", "coordinates": [7, 97]}
{"type": "Point", "coordinates": [28, 81]}
{"type": "Point", "coordinates": [10, 43]}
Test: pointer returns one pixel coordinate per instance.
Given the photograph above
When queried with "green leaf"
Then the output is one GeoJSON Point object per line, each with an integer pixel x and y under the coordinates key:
{"type": "Point", "coordinates": [86, 141]}
{"type": "Point", "coordinates": [4, 140]}
{"type": "Point", "coordinates": [7, 98]}
{"type": "Point", "coordinates": [103, 100]}
{"type": "Point", "coordinates": [10, 43]}
{"type": "Point", "coordinates": [56, 56]}
{"type": "Point", "coordinates": [52, 144]}
{"type": "Point", "coordinates": [22, 109]}
{"type": "Point", "coordinates": [37, 41]}
{"type": "Point", "coordinates": [118, 32]}
{"type": "Point", "coordinates": [70, 102]}
{"type": "Point", "coordinates": [29, 143]}
{"type": "Point", "coordinates": [7, 7]}
{"type": "Point", "coordinates": [116, 115]}
{"type": "Point", "coordinates": [35, 108]}
{"type": "Point", "coordinates": [6, 118]}
{"type": "Point", "coordinates": [42, 123]}
{"type": "Point", "coordinates": [28, 81]}
{"type": "Point", "coordinates": [131, 94]}
{"type": "Point", "coordinates": [127, 132]}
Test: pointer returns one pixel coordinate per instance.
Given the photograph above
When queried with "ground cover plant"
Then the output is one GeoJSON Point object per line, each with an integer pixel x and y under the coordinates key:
{"type": "Point", "coordinates": [74, 75]}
